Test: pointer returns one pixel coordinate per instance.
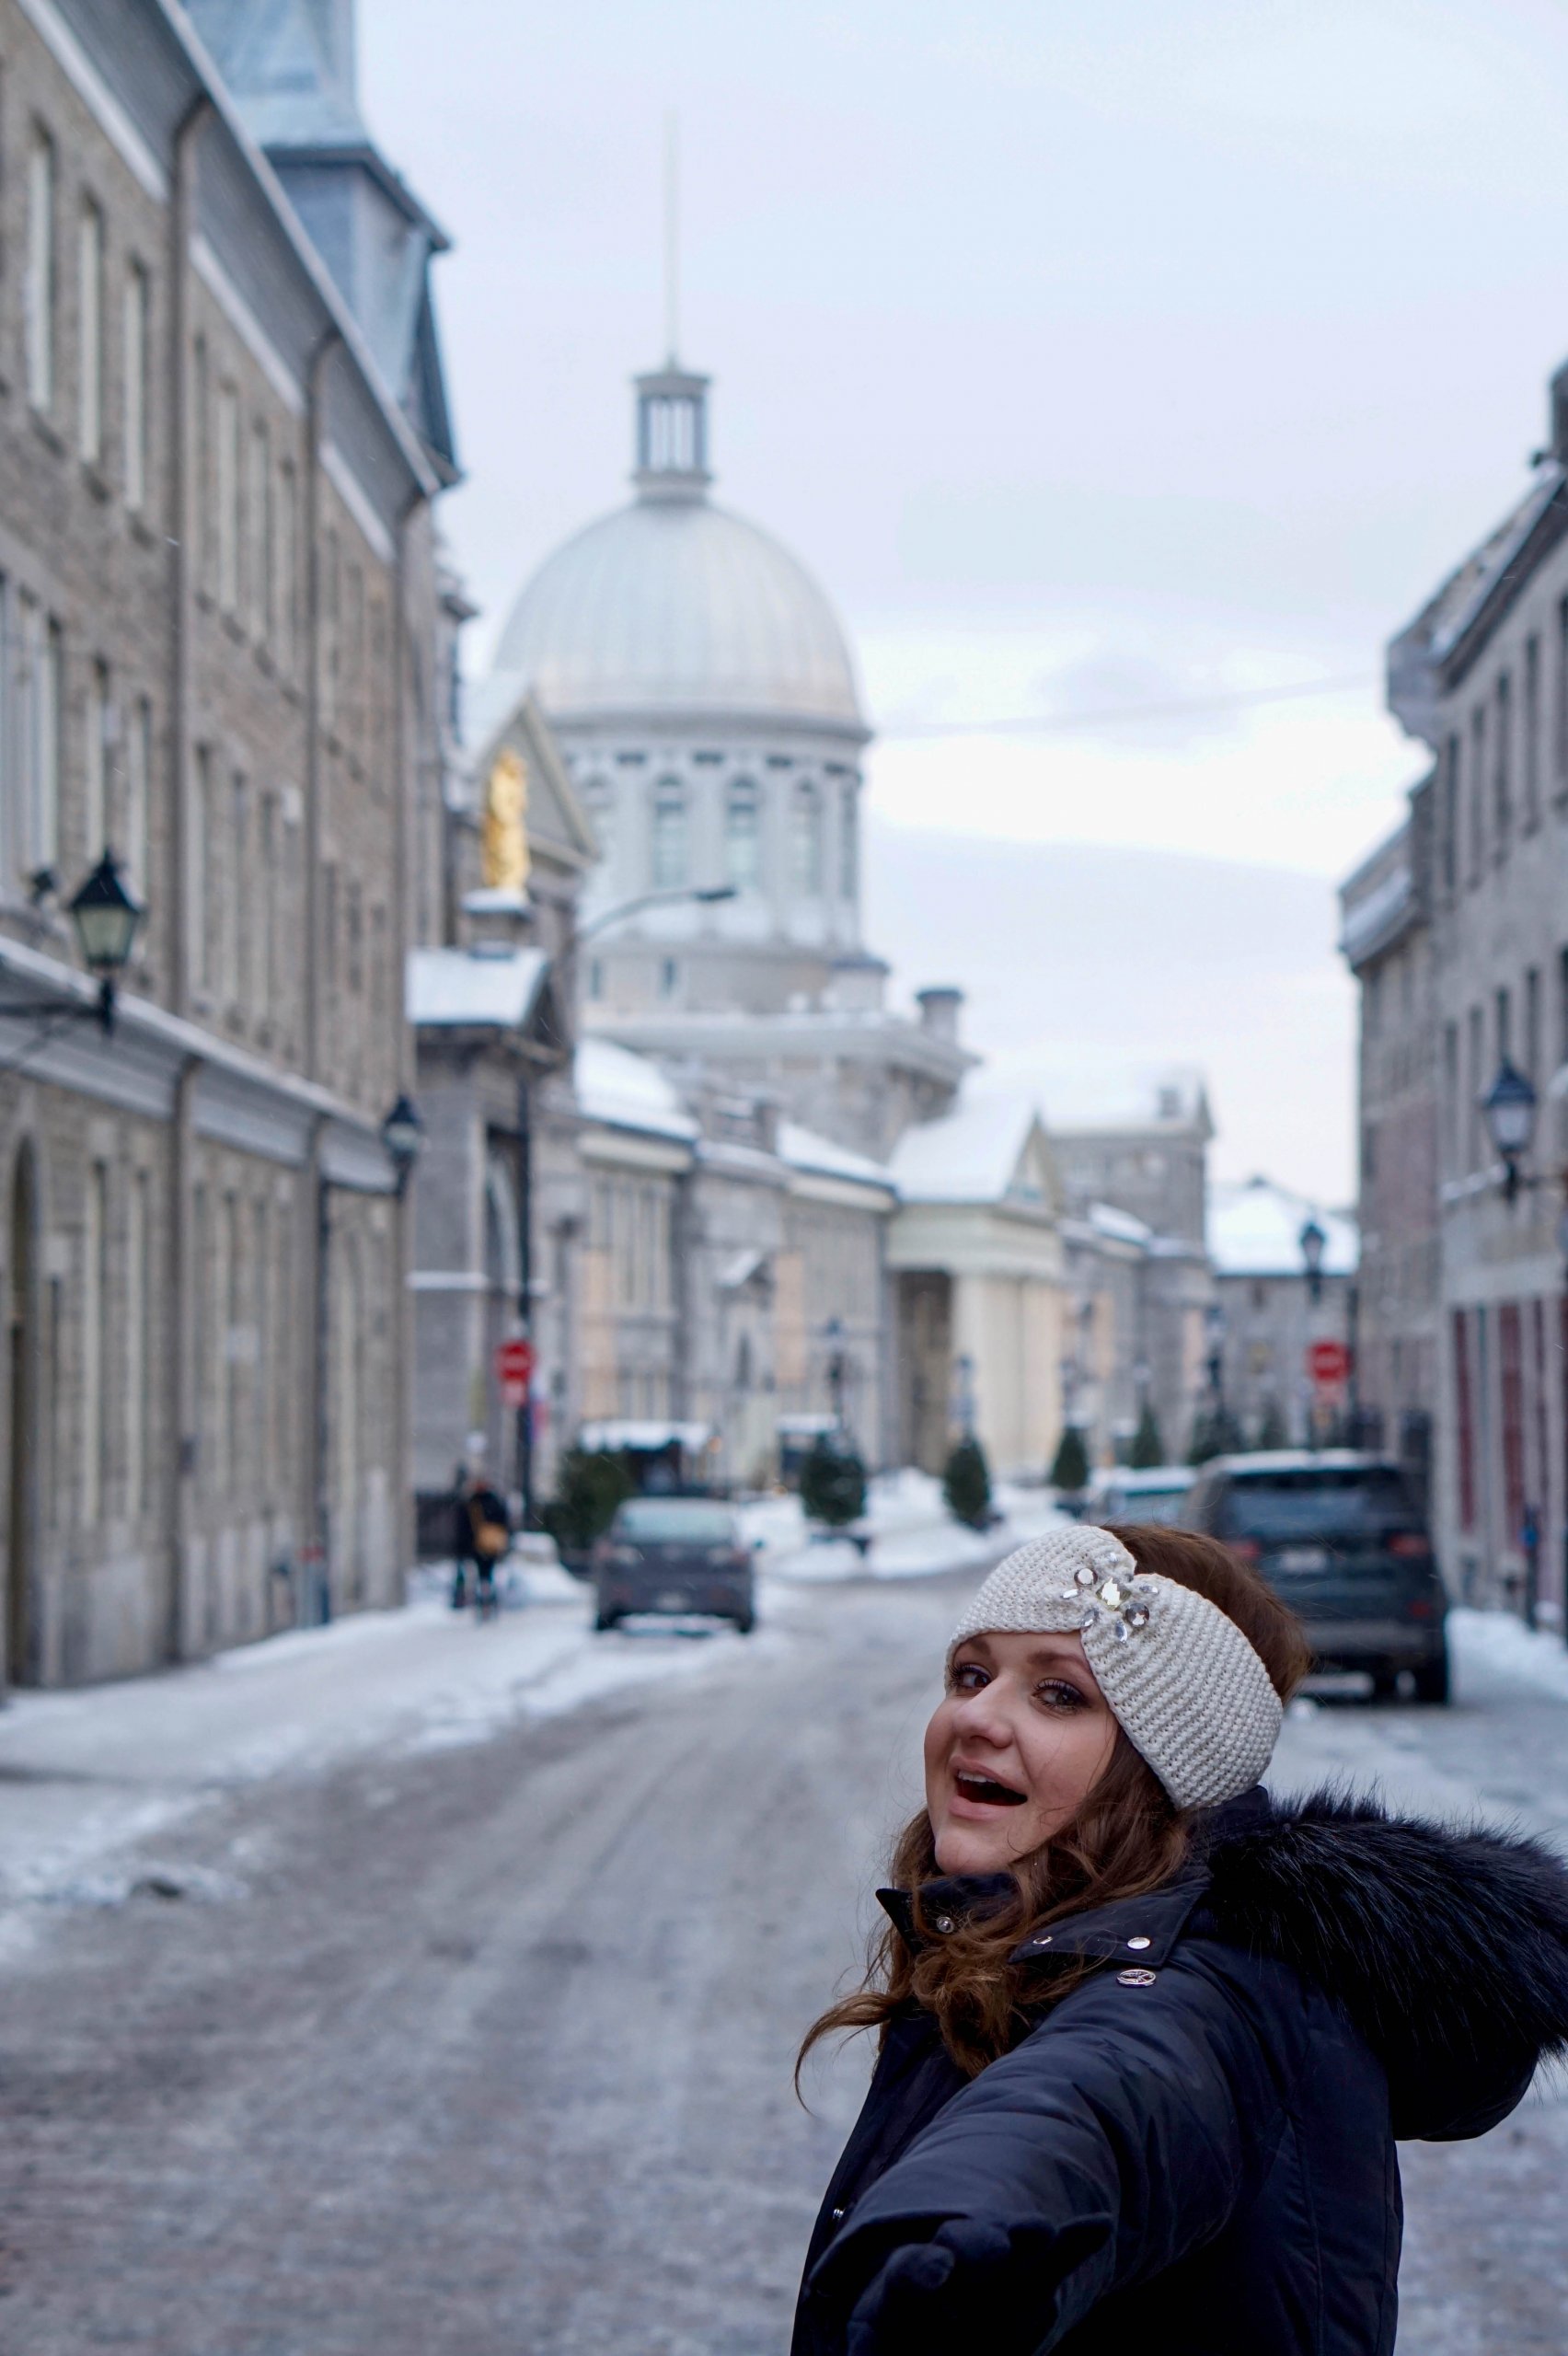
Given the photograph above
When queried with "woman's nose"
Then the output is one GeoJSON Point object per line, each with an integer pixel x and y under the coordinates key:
{"type": "Point", "coordinates": [984, 1713]}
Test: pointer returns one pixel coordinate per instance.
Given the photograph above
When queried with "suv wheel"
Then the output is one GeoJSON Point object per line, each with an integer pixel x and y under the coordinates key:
{"type": "Point", "coordinates": [1432, 1682]}
{"type": "Point", "coordinates": [603, 1620]}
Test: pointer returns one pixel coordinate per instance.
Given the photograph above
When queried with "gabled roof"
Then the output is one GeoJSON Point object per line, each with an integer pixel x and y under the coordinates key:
{"type": "Point", "coordinates": [557, 819]}
{"type": "Point", "coordinates": [991, 1149]}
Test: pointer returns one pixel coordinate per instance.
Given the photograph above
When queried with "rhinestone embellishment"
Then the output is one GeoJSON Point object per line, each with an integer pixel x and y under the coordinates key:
{"type": "Point", "coordinates": [1126, 1609]}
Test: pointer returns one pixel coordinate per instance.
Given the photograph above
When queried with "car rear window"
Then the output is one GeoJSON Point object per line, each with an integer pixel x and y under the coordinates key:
{"type": "Point", "coordinates": [1335, 1502]}
{"type": "Point", "coordinates": [674, 1521]}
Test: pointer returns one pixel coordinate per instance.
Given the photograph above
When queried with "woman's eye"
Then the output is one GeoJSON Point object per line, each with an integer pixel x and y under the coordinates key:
{"type": "Point", "coordinates": [1058, 1694]}
{"type": "Point", "coordinates": [968, 1677]}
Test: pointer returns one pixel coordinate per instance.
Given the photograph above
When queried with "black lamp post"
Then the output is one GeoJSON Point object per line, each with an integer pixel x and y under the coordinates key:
{"type": "Point", "coordinates": [1314, 1242]}
{"type": "Point", "coordinates": [833, 1334]}
{"type": "Point", "coordinates": [106, 914]}
{"type": "Point", "coordinates": [1509, 1105]}
{"type": "Point", "coordinates": [402, 1133]}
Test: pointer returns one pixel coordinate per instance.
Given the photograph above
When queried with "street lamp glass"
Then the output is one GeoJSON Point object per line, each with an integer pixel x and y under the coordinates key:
{"type": "Point", "coordinates": [1510, 1109]}
{"type": "Point", "coordinates": [1314, 1243]}
{"type": "Point", "coordinates": [402, 1133]}
{"type": "Point", "coordinates": [105, 914]}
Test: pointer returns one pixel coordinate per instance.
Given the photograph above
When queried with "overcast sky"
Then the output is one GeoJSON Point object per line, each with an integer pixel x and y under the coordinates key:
{"type": "Point", "coordinates": [1092, 358]}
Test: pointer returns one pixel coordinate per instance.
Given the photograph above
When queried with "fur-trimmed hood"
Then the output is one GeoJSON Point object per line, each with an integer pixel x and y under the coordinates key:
{"type": "Point", "coordinates": [1447, 1945]}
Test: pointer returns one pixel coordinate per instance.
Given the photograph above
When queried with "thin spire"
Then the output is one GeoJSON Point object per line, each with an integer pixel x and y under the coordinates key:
{"type": "Point", "coordinates": [672, 236]}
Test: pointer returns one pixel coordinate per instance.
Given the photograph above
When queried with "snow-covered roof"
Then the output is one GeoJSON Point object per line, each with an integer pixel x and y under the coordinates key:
{"type": "Point", "coordinates": [1078, 1092]}
{"type": "Point", "coordinates": [1106, 1219]}
{"type": "Point", "coordinates": [1254, 1229]}
{"type": "Point", "coordinates": [484, 986]}
{"type": "Point", "coordinates": [970, 1156]}
{"type": "Point", "coordinates": [627, 1092]}
{"type": "Point", "coordinates": [805, 1149]}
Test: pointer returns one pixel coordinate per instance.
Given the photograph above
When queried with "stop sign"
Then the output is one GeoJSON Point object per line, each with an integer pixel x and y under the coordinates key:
{"type": "Point", "coordinates": [514, 1362]}
{"type": "Point", "coordinates": [1328, 1363]}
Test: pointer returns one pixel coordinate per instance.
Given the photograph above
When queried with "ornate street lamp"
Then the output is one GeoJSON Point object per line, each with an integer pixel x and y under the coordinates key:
{"type": "Point", "coordinates": [1314, 1242]}
{"type": "Point", "coordinates": [1509, 1105]}
{"type": "Point", "coordinates": [402, 1133]}
{"type": "Point", "coordinates": [105, 914]}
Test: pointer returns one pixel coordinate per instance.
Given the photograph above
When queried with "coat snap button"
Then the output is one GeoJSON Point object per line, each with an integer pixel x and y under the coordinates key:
{"type": "Point", "coordinates": [944, 1922]}
{"type": "Point", "coordinates": [1136, 1979]}
{"type": "Point", "coordinates": [837, 2214]}
{"type": "Point", "coordinates": [1140, 1943]}
{"type": "Point", "coordinates": [1043, 1940]}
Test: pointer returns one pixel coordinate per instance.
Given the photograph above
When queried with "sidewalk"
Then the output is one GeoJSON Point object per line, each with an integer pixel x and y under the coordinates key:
{"type": "Point", "coordinates": [86, 1773]}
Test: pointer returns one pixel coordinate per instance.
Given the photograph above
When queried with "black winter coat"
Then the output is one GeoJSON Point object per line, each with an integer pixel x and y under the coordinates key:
{"type": "Point", "coordinates": [1194, 2152]}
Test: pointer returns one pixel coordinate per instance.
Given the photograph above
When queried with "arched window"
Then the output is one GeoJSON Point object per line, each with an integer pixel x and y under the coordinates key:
{"type": "Point", "coordinates": [848, 846]}
{"type": "Point", "coordinates": [669, 862]}
{"type": "Point", "coordinates": [806, 839]}
{"type": "Point", "coordinates": [742, 835]}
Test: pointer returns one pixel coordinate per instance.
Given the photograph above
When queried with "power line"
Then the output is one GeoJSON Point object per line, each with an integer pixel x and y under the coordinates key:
{"type": "Point", "coordinates": [1055, 723]}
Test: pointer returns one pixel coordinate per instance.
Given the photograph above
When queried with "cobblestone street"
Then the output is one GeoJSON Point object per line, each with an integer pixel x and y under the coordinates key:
{"type": "Point", "coordinates": [484, 2047]}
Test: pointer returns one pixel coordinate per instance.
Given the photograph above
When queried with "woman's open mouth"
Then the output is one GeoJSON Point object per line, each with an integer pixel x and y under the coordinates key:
{"type": "Point", "coordinates": [984, 1791]}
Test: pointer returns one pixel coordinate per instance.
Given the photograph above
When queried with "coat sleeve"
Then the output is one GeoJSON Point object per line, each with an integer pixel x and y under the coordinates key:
{"type": "Point", "coordinates": [1122, 2133]}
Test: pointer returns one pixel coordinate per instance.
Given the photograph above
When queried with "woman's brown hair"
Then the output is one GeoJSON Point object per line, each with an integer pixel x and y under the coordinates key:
{"type": "Point", "coordinates": [1127, 1838]}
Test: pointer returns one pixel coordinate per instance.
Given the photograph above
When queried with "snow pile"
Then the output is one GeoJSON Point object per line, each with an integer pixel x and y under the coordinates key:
{"type": "Point", "coordinates": [1493, 1649]}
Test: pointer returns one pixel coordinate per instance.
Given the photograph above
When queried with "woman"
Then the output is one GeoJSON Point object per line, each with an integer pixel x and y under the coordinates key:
{"type": "Point", "coordinates": [1147, 2036]}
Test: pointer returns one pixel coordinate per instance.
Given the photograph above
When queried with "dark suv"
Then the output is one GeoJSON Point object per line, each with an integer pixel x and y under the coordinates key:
{"type": "Point", "coordinates": [674, 1555]}
{"type": "Point", "coordinates": [1338, 1535]}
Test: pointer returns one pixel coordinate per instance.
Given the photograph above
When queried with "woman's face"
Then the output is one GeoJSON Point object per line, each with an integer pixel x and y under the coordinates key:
{"type": "Point", "coordinates": [1022, 1735]}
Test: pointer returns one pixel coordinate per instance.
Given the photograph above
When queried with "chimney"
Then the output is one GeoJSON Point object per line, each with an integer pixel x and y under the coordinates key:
{"type": "Point", "coordinates": [938, 1012]}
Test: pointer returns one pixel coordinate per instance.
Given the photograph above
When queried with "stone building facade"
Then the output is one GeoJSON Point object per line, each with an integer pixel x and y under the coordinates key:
{"type": "Point", "coordinates": [1269, 1315]}
{"type": "Point", "coordinates": [219, 574]}
{"type": "Point", "coordinates": [1480, 679]}
{"type": "Point", "coordinates": [1387, 940]}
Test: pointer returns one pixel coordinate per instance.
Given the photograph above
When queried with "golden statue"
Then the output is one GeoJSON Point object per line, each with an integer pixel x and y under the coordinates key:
{"type": "Point", "coordinates": [504, 828]}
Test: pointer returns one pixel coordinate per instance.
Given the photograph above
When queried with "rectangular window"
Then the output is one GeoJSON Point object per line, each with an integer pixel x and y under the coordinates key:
{"type": "Point", "coordinates": [1503, 777]}
{"type": "Point", "coordinates": [743, 835]}
{"type": "Point", "coordinates": [236, 896]}
{"type": "Point", "coordinates": [37, 290]}
{"type": "Point", "coordinates": [1453, 1125]}
{"type": "Point", "coordinates": [1505, 1026]}
{"type": "Point", "coordinates": [258, 516]}
{"type": "Point", "coordinates": [284, 542]}
{"type": "Point", "coordinates": [1531, 747]}
{"type": "Point", "coordinates": [1478, 793]}
{"type": "Point", "coordinates": [1511, 1387]}
{"type": "Point", "coordinates": [1451, 846]}
{"type": "Point", "coordinates": [139, 1293]}
{"type": "Point", "coordinates": [1464, 1417]}
{"type": "Point", "coordinates": [226, 497]}
{"type": "Point", "coordinates": [1531, 1041]}
{"type": "Point", "coordinates": [134, 415]}
{"type": "Point", "coordinates": [267, 891]}
{"type": "Point", "coordinates": [199, 943]}
{"type": "Point", "coordinates": [89, 335]}
{"type": "Point", "coordinates": [1474, 1084]}
{"type": "Point", "coordinates": [848, 846]}
{"type": "Point", "coordinates": [138, 785]}
{"type": "Point", "coordinates": [1559, 715]}
{"type": "Point", "coordinates": [96, 764]}
{"type": "Point", "coordinates": [95, 1298]}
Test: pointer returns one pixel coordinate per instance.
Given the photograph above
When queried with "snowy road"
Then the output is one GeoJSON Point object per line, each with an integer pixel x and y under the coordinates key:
{"type": "Point", "coordinates": [428, 1988]}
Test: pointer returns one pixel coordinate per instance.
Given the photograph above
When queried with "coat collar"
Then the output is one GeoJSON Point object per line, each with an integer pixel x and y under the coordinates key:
{"type": "Point", "coordinates": [1133, 1930]}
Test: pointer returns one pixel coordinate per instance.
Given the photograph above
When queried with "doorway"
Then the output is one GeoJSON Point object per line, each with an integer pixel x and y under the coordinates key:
{"type": "Point", "coordinates": [21, 1486]}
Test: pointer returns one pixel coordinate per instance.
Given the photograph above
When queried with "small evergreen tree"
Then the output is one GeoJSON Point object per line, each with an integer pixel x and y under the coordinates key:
{"type": "Point", "coordinates": [832, 1482]}
{"type": "Point", "coordinates": [1216, 1432]}
{"type": "Point", "coordinates": [1069, 1467]}
{"type": "Point", "coordinates": [590, 1486]}
{"type": "Point", "coordinates": [966, 1485]}
{"type": "Point", "coordinates": [1271, 1428]}
{"type": "Point", "coordinates": [1147, 1449]}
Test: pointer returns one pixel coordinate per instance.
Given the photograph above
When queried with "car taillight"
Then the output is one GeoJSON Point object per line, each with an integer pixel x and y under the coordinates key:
{"type": "Point", "coordinates": [1247, 1549]}
{"type": "Point", "coordinates": [1420, 1607]}
{"type": "Point", "coordinates": [1411, 1543]}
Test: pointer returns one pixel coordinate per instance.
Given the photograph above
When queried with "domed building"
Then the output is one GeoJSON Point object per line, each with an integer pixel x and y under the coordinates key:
{"type": "Point", "coordinates": [703, 693]}
{"type": "Point", "coordinates": [758, 1210]}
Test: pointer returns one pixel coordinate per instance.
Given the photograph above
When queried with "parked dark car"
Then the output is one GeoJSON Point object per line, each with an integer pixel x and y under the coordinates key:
{"type": "Point", "coordinates": [1340, 1536]}
{"type": "Point", "coordinates": [674, 1555]}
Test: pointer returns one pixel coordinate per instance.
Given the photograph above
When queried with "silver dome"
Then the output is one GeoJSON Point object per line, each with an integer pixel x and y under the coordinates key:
{"type": "Point", "coordinates": [672, 606]}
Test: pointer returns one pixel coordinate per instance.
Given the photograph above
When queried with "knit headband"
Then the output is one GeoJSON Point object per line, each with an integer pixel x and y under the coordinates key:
{"type": "Point", "coordinates": [1182, 1682]}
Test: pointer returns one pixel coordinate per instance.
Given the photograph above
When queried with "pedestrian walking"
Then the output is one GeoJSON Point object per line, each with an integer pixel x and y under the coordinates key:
{"type": "Point", "coordinates": [1147, 2036]}
{"type": "Point", "coordinates": [483, 1536]}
